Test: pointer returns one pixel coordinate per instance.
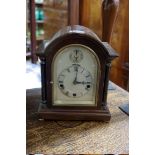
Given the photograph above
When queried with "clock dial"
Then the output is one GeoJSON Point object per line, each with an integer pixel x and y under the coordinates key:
{"type": "Point", "coordinates": [76, 56]}
{"type": "Point", "coordinates": [75, 76]}
{"type": "Point", "coordinates": [75, 81]}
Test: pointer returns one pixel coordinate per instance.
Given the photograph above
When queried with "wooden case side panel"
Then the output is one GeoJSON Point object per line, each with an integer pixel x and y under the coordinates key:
{"type": "Point", "coordinates": [43, 81]}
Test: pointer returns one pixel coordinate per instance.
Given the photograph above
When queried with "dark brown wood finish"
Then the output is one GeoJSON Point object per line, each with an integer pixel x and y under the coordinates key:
{"type": "Point", "coordinates": [75, 35]}
{"type": "Point", "coordinates": [120, 42]}
{"type": "Point", "coordinates": [73, 12]}
{"type": "Point", "coordinates": [33, 31]}
{"type": "Point", "coordinates": [43, 80]}
{"type": "Point", "coordinates": [109, 14]}
{"type": "Point", "coordinates": [84, 12]}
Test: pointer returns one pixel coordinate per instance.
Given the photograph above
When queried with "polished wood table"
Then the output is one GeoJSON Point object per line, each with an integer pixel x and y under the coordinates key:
{"type": "Point", "coordinates": [78, 137]}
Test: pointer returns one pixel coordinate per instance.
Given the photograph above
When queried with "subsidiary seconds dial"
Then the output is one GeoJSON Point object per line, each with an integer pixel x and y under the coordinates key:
{"type": "Point", "coordinates": [75, 81]}
{"type": "Point", "coordinates": [76, 56]}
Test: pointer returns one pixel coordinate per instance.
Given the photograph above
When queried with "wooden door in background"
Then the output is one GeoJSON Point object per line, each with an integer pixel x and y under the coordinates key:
{"type": "Point", "coordinates": [90, 16]}
{"type": "Point", "coordinates": [120, 41]}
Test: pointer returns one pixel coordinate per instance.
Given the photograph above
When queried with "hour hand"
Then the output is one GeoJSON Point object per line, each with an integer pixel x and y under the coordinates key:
{"type": "Point", "coordinates": [75, 80]}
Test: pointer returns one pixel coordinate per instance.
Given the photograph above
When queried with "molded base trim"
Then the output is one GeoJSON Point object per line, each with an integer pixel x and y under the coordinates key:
{"type": "Point", "coordinates": [89, 115]}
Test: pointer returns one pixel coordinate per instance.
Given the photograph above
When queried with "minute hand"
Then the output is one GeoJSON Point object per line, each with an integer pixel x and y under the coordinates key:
{"type": "Point", "coordinates": [83, 82]}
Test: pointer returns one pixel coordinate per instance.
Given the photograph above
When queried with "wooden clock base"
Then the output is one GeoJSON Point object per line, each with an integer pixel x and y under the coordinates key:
{"type": "Point", "coordinates": [88, 115]}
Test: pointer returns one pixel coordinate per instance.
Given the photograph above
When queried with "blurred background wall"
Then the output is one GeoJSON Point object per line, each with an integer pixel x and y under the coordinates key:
{"type": "Point", "coordinates": [56, 15]}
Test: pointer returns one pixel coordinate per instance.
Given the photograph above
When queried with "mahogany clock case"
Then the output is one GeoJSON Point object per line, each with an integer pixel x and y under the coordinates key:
{"type": "Point", "coordinates": [75, 35]}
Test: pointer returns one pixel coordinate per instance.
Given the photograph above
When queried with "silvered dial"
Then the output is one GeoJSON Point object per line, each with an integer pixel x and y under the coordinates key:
{"type": "Point", "coordinates": [75, 81]}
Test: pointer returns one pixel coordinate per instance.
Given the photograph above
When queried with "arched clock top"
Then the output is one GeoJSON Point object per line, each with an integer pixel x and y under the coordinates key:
{"type": "Point", "coordinates": [76, 35]}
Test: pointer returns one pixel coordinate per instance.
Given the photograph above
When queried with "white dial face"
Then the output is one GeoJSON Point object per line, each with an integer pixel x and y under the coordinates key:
{"type": "Point", "coordinates": [75, 77]}
{"type": "Point", "coordinates": [75, 81]}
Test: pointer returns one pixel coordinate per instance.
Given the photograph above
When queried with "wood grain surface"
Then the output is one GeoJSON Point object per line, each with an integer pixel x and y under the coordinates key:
{"type": "Point", "coordinates": [78, 137]}
{"type": "Point", "coordinates": [91, 17]}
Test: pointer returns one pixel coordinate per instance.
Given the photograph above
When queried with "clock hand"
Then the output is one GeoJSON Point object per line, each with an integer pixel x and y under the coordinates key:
{"type": "Point", "coordinates": [76, 55]}
{"type": "Point", "coordinates": [75, 80]}
{"type": "Point", "coordinates": [83, 82]}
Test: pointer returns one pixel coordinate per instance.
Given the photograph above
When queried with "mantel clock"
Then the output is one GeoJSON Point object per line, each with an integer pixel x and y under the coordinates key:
{"type": "Point", "coordinates": [74, 70]}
